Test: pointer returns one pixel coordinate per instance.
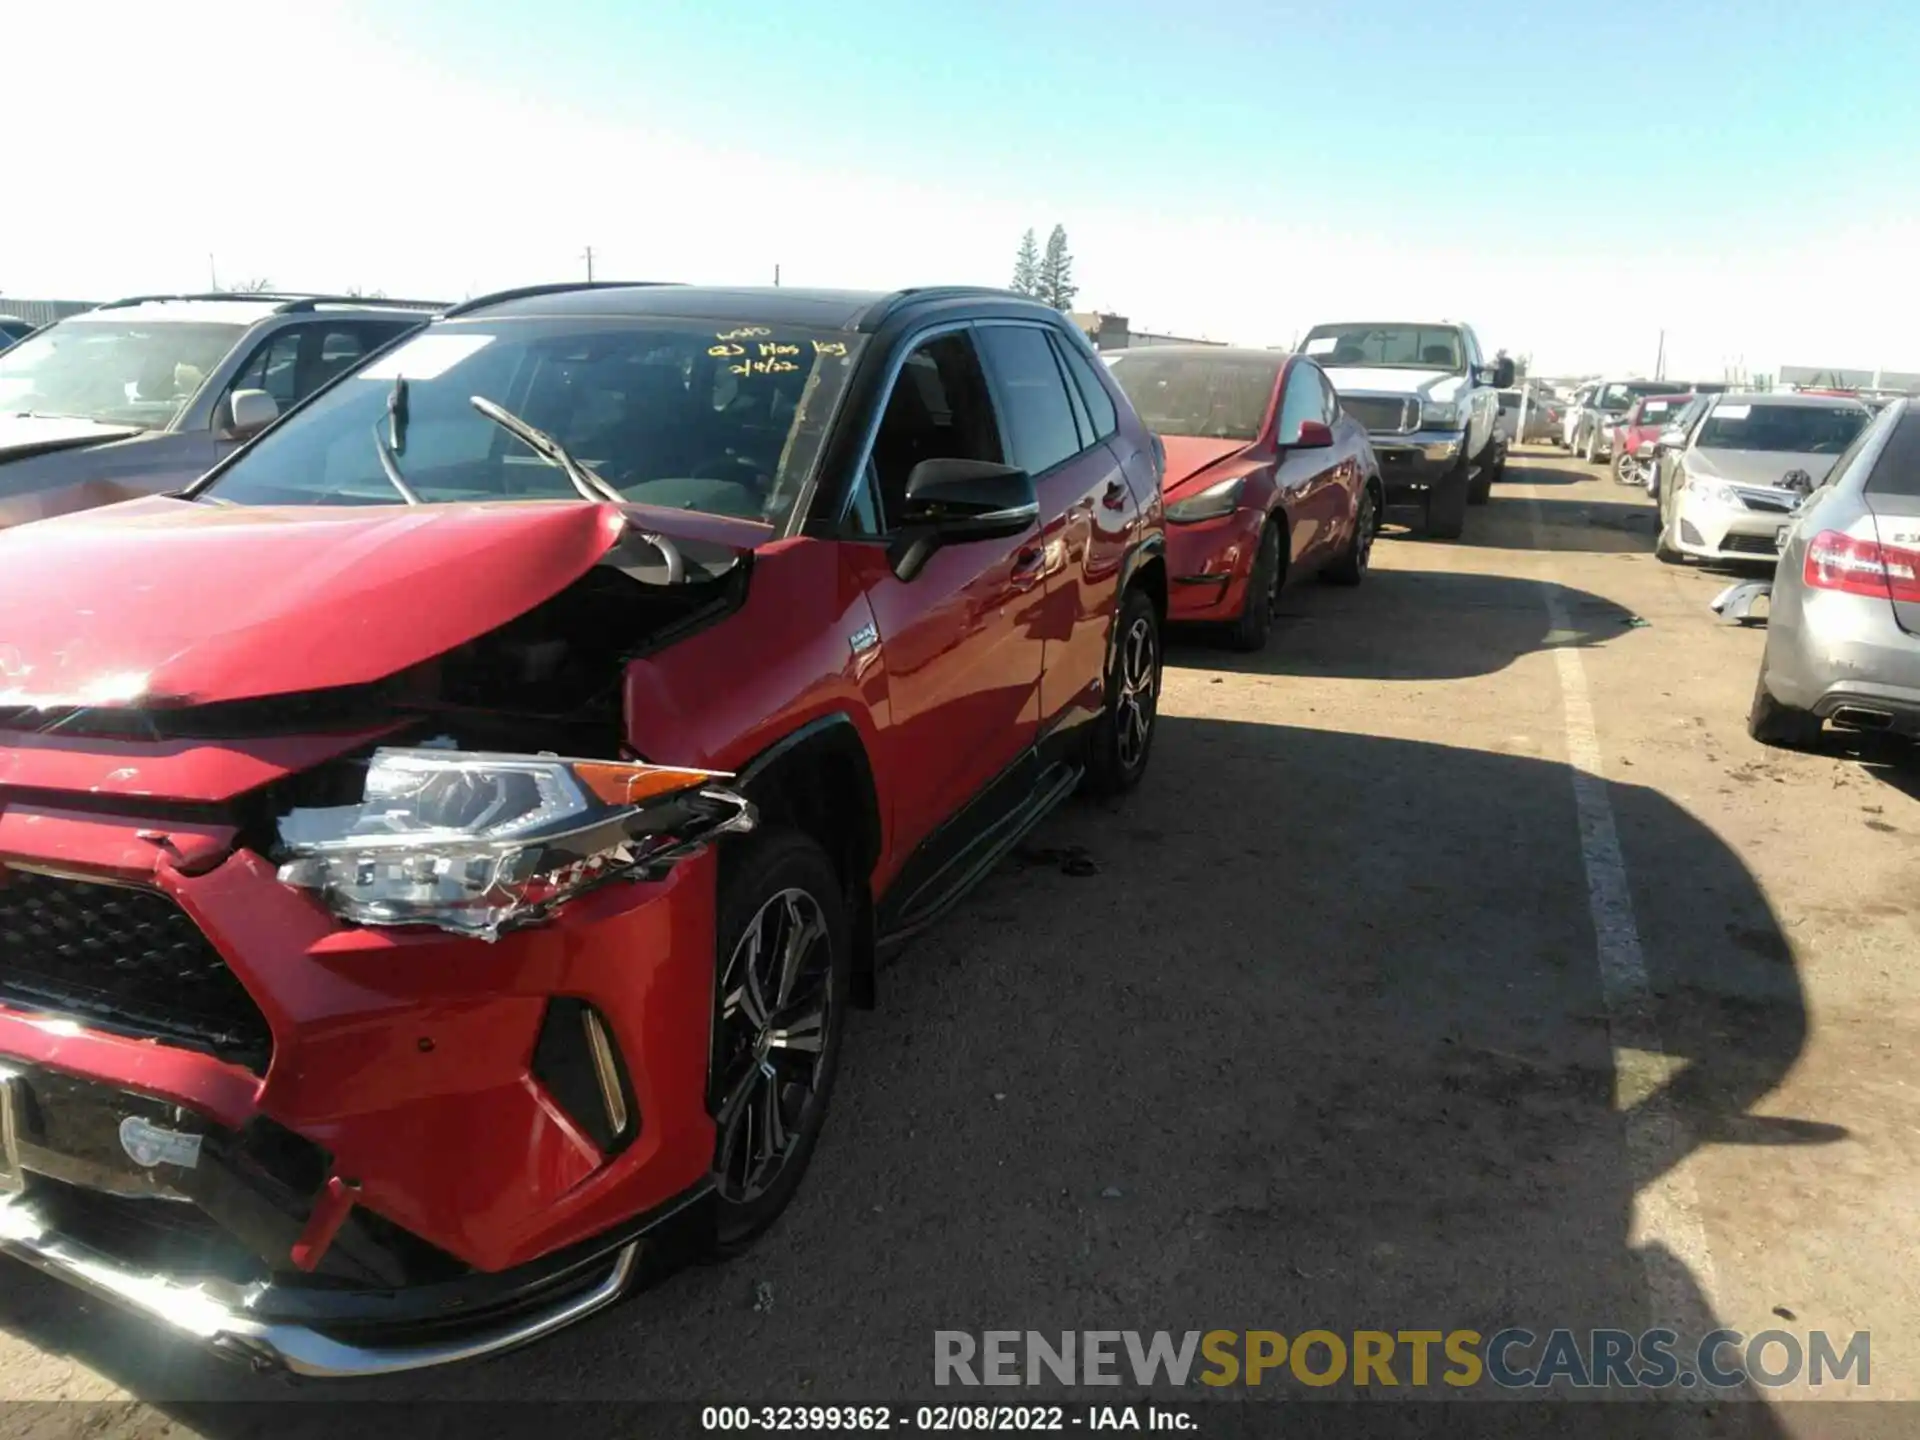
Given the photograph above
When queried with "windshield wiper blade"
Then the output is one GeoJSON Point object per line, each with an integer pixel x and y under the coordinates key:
{"type": "Point", "coordinates": [392, 468]}
{"type": "Point", "coordinates": [590, 485]}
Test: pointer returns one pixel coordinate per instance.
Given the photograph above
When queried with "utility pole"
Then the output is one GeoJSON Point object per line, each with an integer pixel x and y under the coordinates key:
{"type": "Point", "coordinates": [1660, 359]}
{"type": "Point", "coordinates": [776, 275]}
{"type": "Point", "coordinates": [213, 278]}
{"type": "Point", "coordinates": [589, 260]}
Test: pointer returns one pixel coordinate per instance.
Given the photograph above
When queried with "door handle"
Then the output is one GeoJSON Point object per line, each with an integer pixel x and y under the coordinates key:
{"type": "Point", "coordinates": [1115, 497]}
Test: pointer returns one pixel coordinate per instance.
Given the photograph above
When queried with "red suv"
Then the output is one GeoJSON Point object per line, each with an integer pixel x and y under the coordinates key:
{"type": "Point", "coordinates": [440, 848]}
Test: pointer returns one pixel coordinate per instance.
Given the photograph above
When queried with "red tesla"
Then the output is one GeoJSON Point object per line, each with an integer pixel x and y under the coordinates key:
{"type": "Point", "coordinates": [438, 851]}
{"type": "Point", "coordinates": [1267, 479]}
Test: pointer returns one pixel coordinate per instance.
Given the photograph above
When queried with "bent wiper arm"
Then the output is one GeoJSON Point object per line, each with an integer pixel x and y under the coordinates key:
{"type": "Point", "coordinates": [392, 469]}
{"type": "Point", "coordinates": [590, 485]}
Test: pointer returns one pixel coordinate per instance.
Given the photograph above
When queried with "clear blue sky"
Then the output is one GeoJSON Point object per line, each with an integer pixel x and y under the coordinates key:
{"type": "Point", "coordinates": [1573, 179]}
{"type": "Point", "coordinates": [1736, 115]}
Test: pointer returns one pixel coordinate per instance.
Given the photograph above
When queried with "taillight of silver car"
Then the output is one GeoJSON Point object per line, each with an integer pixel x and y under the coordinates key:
{"type": "Point", "coordinates": [1862, 567]}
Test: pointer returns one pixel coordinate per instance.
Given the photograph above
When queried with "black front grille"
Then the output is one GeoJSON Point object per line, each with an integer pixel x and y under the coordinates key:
{"type": "Point", "coordinates": [1750, 545]}
{"type": "Point", "coordinates": [125, 960]}
{"type": "Point", "coordinates": [1383, 416]}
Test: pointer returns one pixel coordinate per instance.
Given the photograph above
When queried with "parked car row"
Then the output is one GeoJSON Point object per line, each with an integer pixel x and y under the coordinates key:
{"type": "Point", "coordinates": [494, 743]}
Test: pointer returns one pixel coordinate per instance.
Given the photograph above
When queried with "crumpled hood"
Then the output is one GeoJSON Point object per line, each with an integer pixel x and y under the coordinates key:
{"type": "Point", "coordinates": [34, 434]}
{"type": "Point", "coordinates": [163, 602]}
{"type": "Point", "coordinates": [1434, 386]}
{"type": "Point", "coordinates": [1188, 455]}
{"type": "Point", "coordinates": [1764, 468]}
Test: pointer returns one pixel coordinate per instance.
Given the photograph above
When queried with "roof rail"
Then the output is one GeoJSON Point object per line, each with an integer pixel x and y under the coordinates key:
{"type": "Point", "coordinates": [283, 303]}
{"type": "Point", "coordinates": [884, 307]}
{"type": "Point", "coordinates": [552, 287]}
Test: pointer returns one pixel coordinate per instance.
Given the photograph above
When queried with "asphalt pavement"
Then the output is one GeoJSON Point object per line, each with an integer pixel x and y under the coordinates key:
{"type": "Point", "coordinates": [1460, 964]}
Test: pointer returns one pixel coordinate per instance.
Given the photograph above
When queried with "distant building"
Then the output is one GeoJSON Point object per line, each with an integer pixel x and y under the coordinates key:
{"type": "Point", "coordinates": [1830, 378]}
{"type": "Point", "coordinates": [42, 312]}
{"type": "Point", "coordinates": [1112, 332]}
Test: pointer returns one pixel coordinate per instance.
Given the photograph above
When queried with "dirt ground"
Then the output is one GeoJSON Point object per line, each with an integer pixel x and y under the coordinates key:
{"type": "Point", "coordinates": [1366, 1013]}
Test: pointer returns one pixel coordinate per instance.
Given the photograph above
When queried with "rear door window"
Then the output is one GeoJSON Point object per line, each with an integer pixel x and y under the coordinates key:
{"type": "Point", "coordinates": [1038, 416]}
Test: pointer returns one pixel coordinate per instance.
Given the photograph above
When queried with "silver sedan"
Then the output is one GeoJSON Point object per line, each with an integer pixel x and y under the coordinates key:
{"type": "Point", "coordinates": [1843, 633]}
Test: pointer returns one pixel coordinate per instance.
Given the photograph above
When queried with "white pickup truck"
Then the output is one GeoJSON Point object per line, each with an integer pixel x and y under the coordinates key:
{"type": "Point", "coordinates": [1429, 398]}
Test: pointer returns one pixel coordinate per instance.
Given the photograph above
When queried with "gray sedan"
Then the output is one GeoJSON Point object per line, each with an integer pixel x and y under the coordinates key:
{"type": "Point", "coordinates": [1843, 635]}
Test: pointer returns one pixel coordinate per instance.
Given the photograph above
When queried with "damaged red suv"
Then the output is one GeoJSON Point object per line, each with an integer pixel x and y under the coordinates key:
{"type": "Point", "coordinates": [439, 850]}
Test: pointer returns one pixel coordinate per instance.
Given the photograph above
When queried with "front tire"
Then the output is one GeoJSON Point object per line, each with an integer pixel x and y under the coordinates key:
{"type": "Point", "coordinates": [784, 955]}
{"type": "Point", "coordinates": [1122, 738]}
{"type": "Point", "coordinates": [1351, 567]}
{"type": "Point", "coordinates": [1782, 726]}
{"type": "Point", "coordinates": [1255, 624]}
{"type": "Point", "coordinates": [1447, 504]}
{"type": "Point", "coordinates": [1590, 452]}
{"type": "Point", "coordinates": [1626, 470]}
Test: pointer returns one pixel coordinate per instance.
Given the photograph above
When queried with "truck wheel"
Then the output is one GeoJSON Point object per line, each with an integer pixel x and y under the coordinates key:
{"type": "Point", "coordinates": [1772, 723]}
{"type": "Point", "coordinates": [1491, 474]}
{"type": "Point", "coordinates": [1447, 500]}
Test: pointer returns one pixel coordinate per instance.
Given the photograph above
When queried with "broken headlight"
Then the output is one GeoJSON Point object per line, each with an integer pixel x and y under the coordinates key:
{"type": "Point", "coordinates": [476, 843]}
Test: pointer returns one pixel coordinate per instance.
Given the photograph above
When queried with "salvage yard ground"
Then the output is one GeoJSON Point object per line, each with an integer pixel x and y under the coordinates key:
{"type": "Point", "coordinates": [1361, 1014]}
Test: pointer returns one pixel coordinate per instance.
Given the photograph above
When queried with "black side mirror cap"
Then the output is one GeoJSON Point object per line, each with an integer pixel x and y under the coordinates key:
{"type": "Point", "coordinates": [955, 502]}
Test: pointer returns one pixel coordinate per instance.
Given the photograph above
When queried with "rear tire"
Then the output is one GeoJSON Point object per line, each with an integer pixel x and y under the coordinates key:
{"type": "Point", "coordinates": [1625, 472]}
{"type": "Point", "coordinates": [1255, 624]}
{"type": "Point", "coordinates": [1782, 726]}
{"type": "Point", "coordinates": [1122, 738]}
{"type": "Point", "coordinates": [775, 1054]}
{"type": "Point", "coordinates": [1590, 452]}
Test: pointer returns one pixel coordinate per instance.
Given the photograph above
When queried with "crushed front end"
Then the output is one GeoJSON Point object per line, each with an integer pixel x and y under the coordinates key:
{"type": "Point", "coordinates": [354, 1030]}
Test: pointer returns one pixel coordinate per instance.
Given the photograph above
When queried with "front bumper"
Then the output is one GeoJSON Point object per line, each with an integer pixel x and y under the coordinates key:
{"type": "Point", "coordinates": [325, 1336]}
{"type": "Point", "coordinates": [1417, 461]}
{"type": "Point", "coordinates": [1210, 563]}
{"type": "Point", "coordinates": [402, 1183]}
{"type": "Point", "coordinates": [1709, 530]}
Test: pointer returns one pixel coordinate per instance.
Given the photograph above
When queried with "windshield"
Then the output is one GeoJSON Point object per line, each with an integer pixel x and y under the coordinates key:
{"type": "Point", "coordinates": [115, 372]}
{"type": "Point", "coordinates": [1416, 347]}
{"type": "Point", "coordinates": [1662, 412]}
{"type": "Point", "coordinates": [1797, 429]}
{"type": "Point", "coordinates": [722, 418]}
{"type": "Point", "coordinates": [1221, 397]}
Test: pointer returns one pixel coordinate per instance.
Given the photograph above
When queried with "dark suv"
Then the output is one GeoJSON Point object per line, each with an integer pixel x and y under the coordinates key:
{"type": "Point", "coordinates": [476, 806]}
{"type": "Point", "coordinates": [146, 394]}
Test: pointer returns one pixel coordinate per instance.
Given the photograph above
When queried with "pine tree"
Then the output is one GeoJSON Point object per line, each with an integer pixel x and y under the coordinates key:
{"type": "Point", "coordinates": [1056, 285]}
{"type": "Point", "coordinates": [1026, 266]}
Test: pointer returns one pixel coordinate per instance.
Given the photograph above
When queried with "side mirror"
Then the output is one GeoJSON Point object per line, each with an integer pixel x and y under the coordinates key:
{"type": "Point", "coordinates": [1503, 373]}
{"type": "Point", "coordinates": [250, 412]}
{"type": "Point", "coordinates": [1673, 439]}
{"type": "Point", "coordinates": [1314, 435]}
{"type": "Point", "coordinates": [954, 502]}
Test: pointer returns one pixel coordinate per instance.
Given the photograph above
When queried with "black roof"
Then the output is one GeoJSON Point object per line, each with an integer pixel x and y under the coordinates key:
{"type": "Point", "coordinates": [765, 304]}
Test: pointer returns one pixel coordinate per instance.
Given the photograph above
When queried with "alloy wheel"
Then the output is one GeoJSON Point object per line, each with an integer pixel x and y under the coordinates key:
{"type": "Point", "coordinates": [776, 993]}
{"type": "Point", "coordinates": [1134, 707]}
{"type": "Point", "coordinates": [1369, 522]}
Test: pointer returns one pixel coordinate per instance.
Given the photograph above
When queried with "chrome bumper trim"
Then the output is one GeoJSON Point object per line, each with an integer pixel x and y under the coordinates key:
{"type": "Point", "coordinates": [191, 1312]}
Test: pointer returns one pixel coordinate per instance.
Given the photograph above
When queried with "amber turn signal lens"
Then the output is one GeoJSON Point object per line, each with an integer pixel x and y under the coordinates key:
{"type": "Point", "coordinates": [617, 784]}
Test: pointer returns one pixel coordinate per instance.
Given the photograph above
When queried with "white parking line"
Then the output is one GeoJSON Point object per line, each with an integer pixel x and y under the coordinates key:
{"type": "Point", "coordinates": [1666, 1212]}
